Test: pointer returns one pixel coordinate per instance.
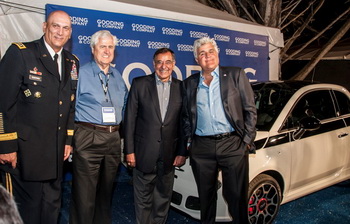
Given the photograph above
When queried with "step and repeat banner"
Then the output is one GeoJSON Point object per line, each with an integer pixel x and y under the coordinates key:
{"type": "Point", "coordinates": [139, 37]}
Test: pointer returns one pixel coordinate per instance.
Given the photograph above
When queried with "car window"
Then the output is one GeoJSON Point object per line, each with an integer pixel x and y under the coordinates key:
{"type": "Point", "coordinates": [343, 103]}
{"type": "Point", "coordinates": [270, 100]}
{"type": "Point", "coordinates": [317, 104]}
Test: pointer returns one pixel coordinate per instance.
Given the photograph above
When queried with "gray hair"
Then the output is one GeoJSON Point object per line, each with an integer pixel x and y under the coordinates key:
{"type": "Point", "coordinates": [101, 33]}
{"type": "Point", "coordinates": [200, 42]}
{"type": "Point", "coordinates": [8, 208]}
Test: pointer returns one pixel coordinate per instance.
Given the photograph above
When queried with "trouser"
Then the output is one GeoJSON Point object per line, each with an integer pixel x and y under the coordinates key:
{"type": "Point", "coordinates": [152, 195]}
{"type": "Point", "coordinates": [95, 164]}
{"type": "Point", "coordinates": [39, 202]}
{"type": "Point", "coordinates": [231, 157]}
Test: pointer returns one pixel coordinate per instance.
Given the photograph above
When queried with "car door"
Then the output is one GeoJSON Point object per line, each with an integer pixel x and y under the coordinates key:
{"type": "Point", "coordinates": [318, 155]}
{"type": "Point", "coordinates": [343, 111]}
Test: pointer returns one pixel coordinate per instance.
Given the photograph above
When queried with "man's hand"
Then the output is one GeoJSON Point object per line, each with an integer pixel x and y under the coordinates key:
{"type": "Point", "coordinates": [10, 158]}
{"type": "Point", "coordinates": [130, 160]}
{"type": "Point", "coordinates": [179, 161]}
{"type": "Point", "coordinates": [67, 150]}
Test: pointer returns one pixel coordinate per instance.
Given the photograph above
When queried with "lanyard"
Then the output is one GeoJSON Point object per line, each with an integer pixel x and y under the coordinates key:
{"type": "Point", "coordinates": [104, 87]}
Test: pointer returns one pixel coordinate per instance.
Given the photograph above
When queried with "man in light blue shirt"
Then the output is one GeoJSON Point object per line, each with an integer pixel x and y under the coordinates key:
{"type": "Point", "coordinates": [219, 124]}
{"type": "Point", "coordinates": [101, 97]}
{"type": "Point", "coordinates": [209, 105]}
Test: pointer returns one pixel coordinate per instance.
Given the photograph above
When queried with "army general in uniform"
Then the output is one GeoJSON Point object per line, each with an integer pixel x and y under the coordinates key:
{"type": "Point", "coordinates": [37, 100]}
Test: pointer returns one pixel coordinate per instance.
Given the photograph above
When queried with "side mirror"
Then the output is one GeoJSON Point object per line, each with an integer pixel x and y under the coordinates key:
{"type": "Point", "coordinates": [306, 124]}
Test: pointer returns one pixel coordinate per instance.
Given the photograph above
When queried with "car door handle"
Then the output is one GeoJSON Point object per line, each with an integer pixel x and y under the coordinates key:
{"type": "Point", "coordinates": [343, 135]}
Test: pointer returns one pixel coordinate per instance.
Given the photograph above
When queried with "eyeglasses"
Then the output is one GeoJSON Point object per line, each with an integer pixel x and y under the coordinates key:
{"type": "Point", "coordinates": [167, 62]}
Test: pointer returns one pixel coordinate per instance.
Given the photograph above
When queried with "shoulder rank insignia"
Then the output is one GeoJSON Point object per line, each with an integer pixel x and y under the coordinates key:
{"type": "Point", "coordinates": [20, 45]}
{"type": "Point", "coordinates": [76, 57]}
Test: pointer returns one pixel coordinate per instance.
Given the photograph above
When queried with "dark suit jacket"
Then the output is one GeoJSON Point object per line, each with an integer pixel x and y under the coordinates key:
{"type": "Point", "coordinates": [37, 109]}
{"type": "Point", "coordinates": [145, 133]}
{"type": "Point", "coordinates": [237, 99]}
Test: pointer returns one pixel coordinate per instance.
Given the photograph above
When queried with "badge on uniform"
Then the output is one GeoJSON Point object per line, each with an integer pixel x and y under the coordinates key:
{"type": "Point", "coordinates": [27, 93]}
{"type": "Point", "coordinates": [37, 95]}
{"type": "Point", "coordinates": [73, 72]}
{"type": "Point", "coordinates": [35, 78]}
{"type": "Point", "coordinates": [35, 71]}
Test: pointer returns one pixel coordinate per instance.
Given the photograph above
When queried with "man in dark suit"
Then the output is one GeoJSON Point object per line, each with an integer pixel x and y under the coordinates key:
{"type": "Point", "coordinates": [219, 123]}
{"type": "Point", "coordinates": [152, 138]}
{"type": "Point", "coordinates": [37, 97]}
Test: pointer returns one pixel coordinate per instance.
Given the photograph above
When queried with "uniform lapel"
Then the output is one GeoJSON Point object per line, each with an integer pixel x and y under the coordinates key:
{"type": "Point", "coordinates": [47, 60]}
{"type": "Point", "coordinates": [67, 68]}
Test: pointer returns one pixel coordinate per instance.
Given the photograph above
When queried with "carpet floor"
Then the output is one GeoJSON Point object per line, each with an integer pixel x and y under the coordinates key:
{"type": "Point", "coordinates": [331, 205]}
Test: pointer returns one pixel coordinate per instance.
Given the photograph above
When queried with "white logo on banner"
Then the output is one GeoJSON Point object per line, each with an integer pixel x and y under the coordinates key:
{"type": "Point", "coordinates": [196, 34]}
{"type": "Point", "coordinates": [129, 43]}
{"type": "Point", "coordinates": [172, 31]}
{"type": "Point", "coordinates": [156, 45]}
{"type": "Point", "coordinates": [240, 40]}
{"type": "Point", "coordinates": [260, 43]}
{"type": "Point", "coordinates": [79, 21]}
{"type": "Point", "coordinates": [233, 52]}
{"type": "Point", "coordinates": [84, 39]}
{"type": "Point", "coordinates": [252, 54]}
{"type": "Point", "coordinates": [220, 37]}
{"type": "Point", "coordinates": [184, 47]}
{"type": "Point", "coordinates": [143, 28]}
{"type": "Point", "coordinates": [110, 24]}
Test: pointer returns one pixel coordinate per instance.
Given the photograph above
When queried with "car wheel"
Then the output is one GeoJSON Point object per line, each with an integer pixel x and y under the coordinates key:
{"type": "Point", "coordinates": [264, 199]}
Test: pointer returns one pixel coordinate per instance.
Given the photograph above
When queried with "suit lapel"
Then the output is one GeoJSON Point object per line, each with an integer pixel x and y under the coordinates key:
{"type": "Point", "coordinates": [154, 95]}
{"type": "Point", "coordinates": [224, 80]}
{"type": "Point", "coordinates": [193, 99]}
{"type": "Point", "coordinates": [172, 97]}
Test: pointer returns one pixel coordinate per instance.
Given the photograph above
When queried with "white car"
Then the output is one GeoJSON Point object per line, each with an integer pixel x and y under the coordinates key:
{"type": "Point", "coordinates": [303, 145]}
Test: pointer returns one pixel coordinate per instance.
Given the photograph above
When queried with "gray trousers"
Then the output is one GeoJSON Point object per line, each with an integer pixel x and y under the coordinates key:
{"type": "Point", "coordinates": [152, 195]}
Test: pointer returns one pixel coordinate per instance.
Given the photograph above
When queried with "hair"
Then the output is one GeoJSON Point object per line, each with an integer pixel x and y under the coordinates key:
{"type": "Point", "coordinates": [200, 42]}
{"type": "Point", "coordinates": [101, 33]}
{"type": "Point", "coordinates": [162, 51]}
{"type": "Point", "coordinates": [8, 208]}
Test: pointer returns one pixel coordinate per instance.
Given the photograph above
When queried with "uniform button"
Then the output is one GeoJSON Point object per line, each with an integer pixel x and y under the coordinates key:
{"type": "Point", "coordinates": [35, 83]}
{"type": "Point", "coordinates": [60, 102]}
{"type": "Point", "coordinates": [61, 115]}
{"type": "Point", "coordinates": [59, 128]}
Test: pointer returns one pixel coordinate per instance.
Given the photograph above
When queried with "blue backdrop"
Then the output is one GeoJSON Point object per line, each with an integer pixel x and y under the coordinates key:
{"type": "Point", "coordinates": [139, 37]}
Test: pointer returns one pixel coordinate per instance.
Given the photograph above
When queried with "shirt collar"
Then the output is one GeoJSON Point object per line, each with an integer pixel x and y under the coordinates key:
{"type": "Point", "coordinates": [96, 70]}
{"type": "Point", "coordinates": [213, 73]}
{"type": "Point", "coordinates": [51, 51]}
{"type": "Point", "coordinates": [159, 81]}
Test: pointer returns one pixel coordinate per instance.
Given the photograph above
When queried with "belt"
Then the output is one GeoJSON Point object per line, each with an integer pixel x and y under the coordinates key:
{"type": "Point", "coordinates": [219, 136]}
{"type": "Point", "coordinates": [106, 128]}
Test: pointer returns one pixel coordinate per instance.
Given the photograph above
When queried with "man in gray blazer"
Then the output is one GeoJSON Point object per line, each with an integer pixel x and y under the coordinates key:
{"type": "Point", "coordinates": [152, 137]}
{"type": "Point", "coordinates": [219, 124]}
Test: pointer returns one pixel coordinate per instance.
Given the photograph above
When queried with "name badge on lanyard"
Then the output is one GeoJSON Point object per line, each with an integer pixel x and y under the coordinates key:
{"type": "Point", "coordinates": [108, 115]}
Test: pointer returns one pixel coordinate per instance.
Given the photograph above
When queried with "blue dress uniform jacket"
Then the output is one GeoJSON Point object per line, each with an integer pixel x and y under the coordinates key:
{"type": "Point", "coordinates": [36, 109]}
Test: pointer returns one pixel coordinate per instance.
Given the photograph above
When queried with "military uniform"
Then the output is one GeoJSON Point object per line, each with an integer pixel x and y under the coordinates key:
{"type": "Point", "coordinates": [36, 117]}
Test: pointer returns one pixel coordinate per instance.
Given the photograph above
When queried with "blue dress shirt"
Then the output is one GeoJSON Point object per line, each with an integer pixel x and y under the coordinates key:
{"type": "Point", "coordinates": [91, 96]}
{"type": "Point", "coordinates": [211, 119]}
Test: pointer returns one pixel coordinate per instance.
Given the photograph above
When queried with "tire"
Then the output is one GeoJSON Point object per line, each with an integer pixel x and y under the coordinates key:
{"type": "Point", "coordinates": [264, 196]}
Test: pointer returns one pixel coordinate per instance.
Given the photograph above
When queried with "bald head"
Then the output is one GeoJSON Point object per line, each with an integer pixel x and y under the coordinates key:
{"type": "Point", "coordinates": [57, 29]}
